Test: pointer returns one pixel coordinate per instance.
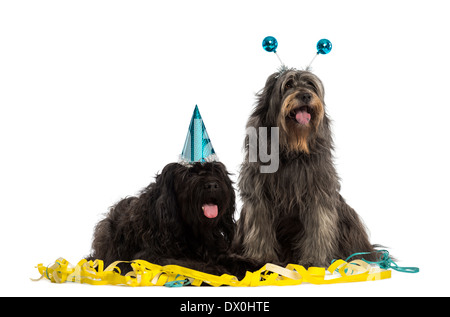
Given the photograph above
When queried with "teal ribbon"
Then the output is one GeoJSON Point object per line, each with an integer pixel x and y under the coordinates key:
{"type": "Point", "coordinates": [178, 283]}
{"type": "Point", "coordinates": [385, 262]}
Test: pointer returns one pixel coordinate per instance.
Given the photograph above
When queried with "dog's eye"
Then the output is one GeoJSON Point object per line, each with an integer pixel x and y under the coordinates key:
{"type": "Point", "coordinates": [311, 84]}
{"type": "Point", "coordinates": [288, 85]}
{"type": "Point", "coordinates": [190, 174]}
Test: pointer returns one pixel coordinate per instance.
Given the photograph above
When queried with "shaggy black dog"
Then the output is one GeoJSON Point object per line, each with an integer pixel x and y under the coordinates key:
{"type": "Point", "coordinates": [185, 218]}
{"type": "Point", "coordinates": [296, 214]}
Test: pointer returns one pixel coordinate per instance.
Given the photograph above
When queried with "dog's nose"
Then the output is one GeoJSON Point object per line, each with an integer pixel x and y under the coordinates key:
{"type": "Point", "coordinates": [306, 97]}
{"type": "Point", "coordinates": [211, 185]}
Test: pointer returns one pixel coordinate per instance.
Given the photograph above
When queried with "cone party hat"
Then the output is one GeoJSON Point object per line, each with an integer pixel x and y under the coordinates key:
{"type": "Point", "coordinates": [198, 146]}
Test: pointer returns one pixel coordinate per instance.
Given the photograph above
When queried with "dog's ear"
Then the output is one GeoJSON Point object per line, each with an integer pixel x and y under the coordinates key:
{"type": "Point", "coordinates": [267, 91]}
{"type": "Point", "coordinates": [227, 224]}
{"type": "Point", "coordinates": [260, 113]}
{"type": "Point", "coordinates": [264, 96]}
{"type": "Point", "coordinates": [164, 210]}
{"type": "Point", "coordinates": [165, 202]}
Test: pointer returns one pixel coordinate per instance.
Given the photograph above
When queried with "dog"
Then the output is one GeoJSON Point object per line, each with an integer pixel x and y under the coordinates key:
{"type": "Point", "coordinates": [185, 217]}
{"type": "Point", "coordinates": [296, 214]}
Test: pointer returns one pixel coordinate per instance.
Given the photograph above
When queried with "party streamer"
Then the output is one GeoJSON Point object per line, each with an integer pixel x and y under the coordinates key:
{"type": "Point", "coordinates": [147, 274]}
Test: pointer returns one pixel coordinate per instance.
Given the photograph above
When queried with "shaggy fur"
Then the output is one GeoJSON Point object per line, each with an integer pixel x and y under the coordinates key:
{"type": "Point", "coordinates": [166, 222]}
{"type": "Point", "coordinates": [296, 215]}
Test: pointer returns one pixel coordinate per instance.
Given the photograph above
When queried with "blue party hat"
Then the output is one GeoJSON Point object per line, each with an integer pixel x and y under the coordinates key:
{"type": "Point", "coordinates": [198, 146]}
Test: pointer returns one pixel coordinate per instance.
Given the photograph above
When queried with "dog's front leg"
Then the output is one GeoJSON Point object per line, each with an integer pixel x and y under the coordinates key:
{"type": "Point", "coordinates": [318, 244]}
{"type": "Point", "coordinates": [257, 233]}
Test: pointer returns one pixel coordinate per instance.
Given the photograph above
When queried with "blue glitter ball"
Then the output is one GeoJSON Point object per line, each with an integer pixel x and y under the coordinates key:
{"type": "Point", "coordinates": [270, 44]}
{"type": "Point", "coordinates": [324, 46]}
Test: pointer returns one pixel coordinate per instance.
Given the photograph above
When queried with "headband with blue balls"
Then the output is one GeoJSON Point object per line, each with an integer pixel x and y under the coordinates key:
{"type": "Point", "coordinates": [270, 44]}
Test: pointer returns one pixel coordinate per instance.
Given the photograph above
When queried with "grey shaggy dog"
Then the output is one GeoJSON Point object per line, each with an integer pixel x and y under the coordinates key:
{"type": "Point", "coordinates": [296, 215]}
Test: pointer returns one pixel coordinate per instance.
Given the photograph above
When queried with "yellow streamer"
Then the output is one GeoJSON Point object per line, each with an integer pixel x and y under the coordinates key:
{"type": "Point", "coordinates": [148, 274]}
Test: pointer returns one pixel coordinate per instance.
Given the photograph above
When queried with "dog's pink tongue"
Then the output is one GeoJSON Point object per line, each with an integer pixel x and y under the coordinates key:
{"type": "Point", "coordinates": [302, 117]}
{"type": "Point", "coordinates": [210, 210]}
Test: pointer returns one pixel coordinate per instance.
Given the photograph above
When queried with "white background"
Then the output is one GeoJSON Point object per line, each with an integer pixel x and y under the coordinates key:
{"type": "Point", "coordinates": [96, 97]}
